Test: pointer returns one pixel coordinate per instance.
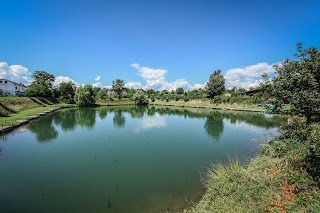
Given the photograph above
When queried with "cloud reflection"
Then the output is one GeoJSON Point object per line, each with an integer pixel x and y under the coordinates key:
{"type": "Point", "coordinates": [150, 122]}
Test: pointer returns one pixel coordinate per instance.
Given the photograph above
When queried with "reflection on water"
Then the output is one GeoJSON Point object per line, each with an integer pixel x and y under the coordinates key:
{"type": "Point", "coordinates": [151, 117]}
{"type": "Point", "coordinates": [214, 125]}
{"type": "Point", "coordinates": [44, 130]}
{"type": "Point", "coordinates": [150, 122]}
{"type": "Point", "coordinates": [118, 119]}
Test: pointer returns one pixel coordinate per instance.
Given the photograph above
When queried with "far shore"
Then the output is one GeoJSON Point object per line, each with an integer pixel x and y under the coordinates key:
{"type": "Point", "coordinates": [16, 119]}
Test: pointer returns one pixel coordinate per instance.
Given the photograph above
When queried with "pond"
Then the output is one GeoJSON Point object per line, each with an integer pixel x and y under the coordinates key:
{"type": "Point", "coordinates": [122, 159]}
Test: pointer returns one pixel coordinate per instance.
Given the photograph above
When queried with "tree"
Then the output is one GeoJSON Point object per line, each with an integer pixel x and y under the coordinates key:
{"type": "Point", "coordinates": [151, 92]}
{"type": "Point", "coordinates": [67, 92]}
{"type": "Point", "coordinates": [298, 83]}
{"type": "Point", "coordinates": [140, 98]}
{"type": "Point", "coordinates": [118, 87]}
{"type": "Point", "coordinates": [215, 85]}
{"type": "Point", "coordinates": [102, 94]}
{"type": "Point", "coordinates": [84, 95]}
{"type": "Point", "coordinates": [42, 84]}
{"type": "Point", "coordinates": [180, 91]}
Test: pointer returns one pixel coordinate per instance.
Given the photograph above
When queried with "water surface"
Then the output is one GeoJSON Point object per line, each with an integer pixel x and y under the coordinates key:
{"type": "Point", "coordinates": [122, 159]}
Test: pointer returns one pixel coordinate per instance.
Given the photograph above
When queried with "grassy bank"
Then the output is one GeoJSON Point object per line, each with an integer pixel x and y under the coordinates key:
{"type": "Point", "coordinates": [15, 109]}
{"type": "Point", "coordinates": [284, 178]}
{"type": "Point", "coordinates": [115, 102]}
{"type": "Point", "coordinates": [207, 104]}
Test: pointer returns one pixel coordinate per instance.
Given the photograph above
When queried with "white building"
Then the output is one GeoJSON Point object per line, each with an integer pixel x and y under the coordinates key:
{"type": "Point", "coordinates": [10, 88]}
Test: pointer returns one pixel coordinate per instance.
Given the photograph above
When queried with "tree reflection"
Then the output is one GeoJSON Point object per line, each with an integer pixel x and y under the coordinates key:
{"type": "Point", "coordinates": [137, 112]}
{"type": "Point", "coordinates": [151, 111]}
{"type": "Point", "coordinates": [214, 125]}
{"type": "Point", "coordinates": [118, 119]}
{"type": "Point", "coordinates": [86, 117]}
{"type": "Point", "coordinates": [43, 129]}
{"type": "Point", "coordinates": [66, 119]}
{"type": "Point", "coordinates": [102, 113]}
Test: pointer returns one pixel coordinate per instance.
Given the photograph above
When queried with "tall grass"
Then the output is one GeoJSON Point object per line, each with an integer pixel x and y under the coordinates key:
{"type": "Point", "coordinates": [10, 105]}
{"type": "Point", "coordinates": [284, 178]}
{"type": "Point", "coordinates": [233, 188]}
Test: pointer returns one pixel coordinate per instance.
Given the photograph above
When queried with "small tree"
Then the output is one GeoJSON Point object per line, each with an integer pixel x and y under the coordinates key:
{"type": "Point", "coordinates": [67, 92]}
{"type": "Point", "coordinates": [84, 95]}
{"type": "Point", "coordinates": [180, 91]}
{"type": "Point", "coordinates": [118, 87]}
{"type": "Point", "coordinates": [215, 85]}
{"type": "Point", "coordinates": [140, 98]}
{"type": "Point", "coordinates": [102, 94]}
{"type": "Point", "coordinates": [42, 84]}
{"type": "Point", "coordinates": [298, 83]}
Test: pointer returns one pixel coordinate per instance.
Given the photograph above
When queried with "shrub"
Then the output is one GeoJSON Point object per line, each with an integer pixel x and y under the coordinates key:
{"type": "Point", "coordinates": [140, 98]}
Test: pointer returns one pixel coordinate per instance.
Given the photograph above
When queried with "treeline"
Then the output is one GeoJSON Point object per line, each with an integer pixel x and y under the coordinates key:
{"type": "Point", "coordinates": [296, 83]}
{"type": "Point", "coordinates": [87, 95]}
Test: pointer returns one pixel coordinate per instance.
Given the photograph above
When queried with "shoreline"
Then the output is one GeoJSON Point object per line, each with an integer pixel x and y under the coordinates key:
{"type": "Point", "coordinates": [6, 129]}
{"type": "Point", "coordinates": [27, 118]}
{"type": "Point", "coordinates": [209, 107]}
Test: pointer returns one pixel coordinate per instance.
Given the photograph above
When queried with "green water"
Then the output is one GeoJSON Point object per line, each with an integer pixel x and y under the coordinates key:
{"type": "Point", "coordinates": [122, 159]}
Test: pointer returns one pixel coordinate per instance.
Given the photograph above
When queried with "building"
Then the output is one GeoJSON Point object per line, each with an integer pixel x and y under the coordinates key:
{"type": "Point", "coordinates": [250, 92]}
{"type": "Point", "coordinates": [233, 89]}
{"type": "Point", "coordinates": [10, 88]}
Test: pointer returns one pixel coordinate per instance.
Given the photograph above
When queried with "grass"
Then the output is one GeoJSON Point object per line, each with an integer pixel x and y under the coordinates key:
{"type": "Point", "coordinates": [13, 109]}
{"type": "Point", "coordinates": [13, 118]}
{"type": "Point", "coordinates": [233, 188]}
{"type": "Point", "coordinates": [10, 105]}
{"type": "Point", "coordinates": [207, 104]}
{"type": "Point", "coordinates": [284, 178]}
{"type": "Point", "coordinates": [115, 102]}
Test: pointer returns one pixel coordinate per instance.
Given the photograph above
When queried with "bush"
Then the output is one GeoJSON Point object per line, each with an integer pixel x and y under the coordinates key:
{"type": "Point", "coordinates": [84, 96]}
{"type": "Point", "coordinates": [140, 98]}
{"type": "Point", "coordinates": [216, 100]}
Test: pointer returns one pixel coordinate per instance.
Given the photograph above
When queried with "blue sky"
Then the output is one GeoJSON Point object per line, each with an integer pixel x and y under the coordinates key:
{"type": "Point", "coordinates": [161, 44]}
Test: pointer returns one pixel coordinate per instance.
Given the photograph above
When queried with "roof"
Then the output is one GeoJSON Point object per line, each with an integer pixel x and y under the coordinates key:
{"type": "Point", "coordinates": [19, 84]}
{"type": "Point", "coordinates": [250, 92]}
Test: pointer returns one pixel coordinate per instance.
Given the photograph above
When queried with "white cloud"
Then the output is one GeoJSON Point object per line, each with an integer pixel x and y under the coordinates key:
{"type": "Point", "coordinates": [133, 85]}
{"type": "Point", "coordinates": [97, 84]}
{"type": "Point", "coordinates": [198, 86]}
{"type": "Point", "coordinates": [16, 73]}
{"type": "Point", "coordinates": [27, 79]}
{"type": "Point", "coordinates": [155, 79]}
{"type": "Point", "coordinates": [98, 78]}
{"type": "Point", "coordinates": [249, 76]}
{"type": "Point", "coordinates": [59, 79]}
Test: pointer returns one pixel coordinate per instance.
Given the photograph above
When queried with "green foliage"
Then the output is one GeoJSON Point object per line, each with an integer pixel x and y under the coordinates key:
{"type": "Point", "coordinates": [232, 188]}
{"type": "Point", "coordinates": [298, 83]}
{"type": "Point", "coordinates": [118, 87]}
{"type": "Point", "coordinates": [140, 98]}
{"type": "Point", "coordinates": [284, 178]}
{"type": "Point", "coordinates": [41, 86]}
{"type": "Point", "coordinates": [215, 85]}
{"type": "Point", "coordinates": [217, 100]}
{"type": "Point", "coordinates": [84, 95]}
{"type": "Point", "coordinates": [102, 94]}
{"type": "Point", "coordinates": [67, 92]}
{"type": "Point", "coordinates": [150, 91]}
{"type": "Point", "coordinates": [299, 147]}
{"type": "Point", "coordinates": [180, 91]}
